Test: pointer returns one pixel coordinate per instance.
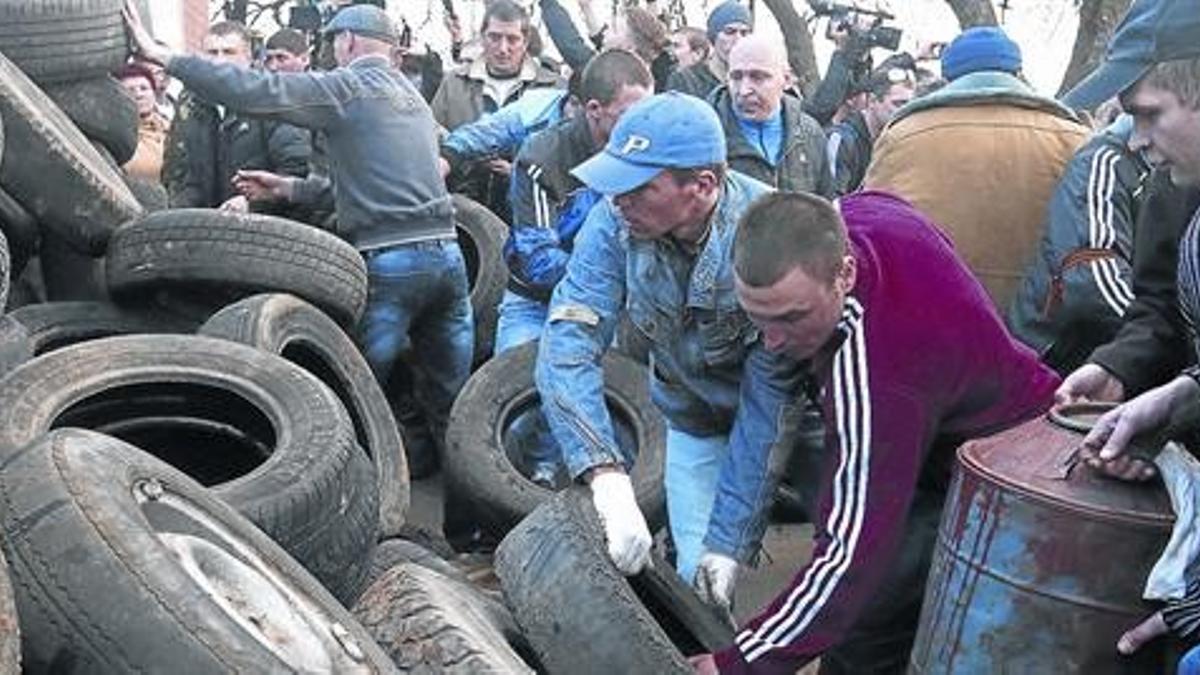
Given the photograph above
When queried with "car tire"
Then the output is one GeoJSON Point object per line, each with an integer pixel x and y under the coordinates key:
{"type": "Point", "coordinates": [103, 111]}
{"type": "Point", "coordinates": [21, 233]}
{"type": "Point", "coordinates": [60, 179]}
{"type": "Point", "coordinates": [286, 325]}
{"type": "Point", "coordinates": [59, 40]}
{"type": "Point", "coordinates": [10, 627]}
{"type": "Point", "coordinates": [480, 469]}
{"type": "Point", "coordinates": [429, 622]}
{"type": "Point", "coordinates": [213, 258]}
{"type": "Point", "coordinates": [481, 236]}
{"type": "Point", "coordinates": [54, 325]}
{"type": "Point", "coordinates": [5, 271]}
{"type": "Point", "coordinates": [123, 564]}
{"type": "Point", "coordinates": [268, 437]}
{"type": "Point", "coordinates": [67, 274]}
{"type": "Point", "coordinates": [581, 614]}
{"type": "Point", "coordinates": [150, 194]}
{"type": "Point", "coordinates": [15, 346]}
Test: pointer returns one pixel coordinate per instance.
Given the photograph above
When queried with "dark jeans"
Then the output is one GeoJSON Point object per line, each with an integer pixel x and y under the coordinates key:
{"type": "Point", "coordinates": [418, 298]}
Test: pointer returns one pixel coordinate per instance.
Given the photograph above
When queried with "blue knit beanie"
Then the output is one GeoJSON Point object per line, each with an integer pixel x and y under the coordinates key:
{"type": "Point", "coordinates": [980, 48]}
{"type": "Point", "coordinates": [724, 14]}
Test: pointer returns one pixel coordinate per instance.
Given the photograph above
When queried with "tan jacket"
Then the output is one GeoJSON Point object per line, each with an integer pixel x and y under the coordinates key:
{"type": "Point", "coordinates": [147, 160]}
{"type": "Point", "coordinates": [462, 99]}
{"type": "Point", "coordinates": [981, 160]}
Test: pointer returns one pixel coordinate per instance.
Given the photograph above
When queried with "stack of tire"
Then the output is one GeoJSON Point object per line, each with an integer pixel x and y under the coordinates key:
{"type": "Point", "coordinates": [196, 464]}
{"type": "Point", "coordinates": [171, 500]}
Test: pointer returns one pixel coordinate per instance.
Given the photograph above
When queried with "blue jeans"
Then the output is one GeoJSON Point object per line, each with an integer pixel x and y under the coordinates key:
{"type": "Point", "coordinates": [1190, 663]}
{"type": "Point", "coordinates": [520, 321]}
{"type": "Point", "coordinates": [693, 468]}
{"type": "Point", "coordinates": [418, 298]}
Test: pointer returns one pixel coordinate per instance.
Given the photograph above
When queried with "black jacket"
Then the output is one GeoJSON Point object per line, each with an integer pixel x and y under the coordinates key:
{"type": "Point", "coordinates": [697, 80]}
{"type": "Point", "coordinates": [850, 146]}
{"type": "Point", "coordinates": [203, 152]}
{"type": "Point", "coordinates": [1151, 346]}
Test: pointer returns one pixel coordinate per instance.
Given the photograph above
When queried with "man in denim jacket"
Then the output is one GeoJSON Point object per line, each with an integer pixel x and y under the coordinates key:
{"type": "Point", "coordinates": [660, 246]}
{"type": "Point", "coordinates": [391, 202]}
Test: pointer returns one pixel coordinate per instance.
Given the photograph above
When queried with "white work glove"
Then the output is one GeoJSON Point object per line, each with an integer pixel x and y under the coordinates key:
{"type": "Point", "coordinates": [715, 577]}
{"type": "Point", "coordinates": [624, 527]}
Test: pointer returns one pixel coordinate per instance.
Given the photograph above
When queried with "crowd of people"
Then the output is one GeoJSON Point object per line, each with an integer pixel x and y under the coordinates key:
{"type": "Point", "coordinates": [912, 259]}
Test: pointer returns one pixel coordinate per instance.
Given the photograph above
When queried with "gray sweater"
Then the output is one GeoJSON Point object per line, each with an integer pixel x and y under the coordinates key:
{"type": "Point", "coordinates": [382, 144]}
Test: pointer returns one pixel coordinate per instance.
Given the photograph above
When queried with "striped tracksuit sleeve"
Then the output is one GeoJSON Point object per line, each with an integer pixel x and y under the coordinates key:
{"type": "Point", "coordinates": [1109, 216]}
{"type": "Point", "coordinates": [870, 482]}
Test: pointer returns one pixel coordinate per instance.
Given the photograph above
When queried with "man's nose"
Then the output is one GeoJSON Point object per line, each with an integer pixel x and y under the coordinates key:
{"type": "Point", "coordinates": [1139, 140]}
{"type": "Point", "coordinates": [773, 339]}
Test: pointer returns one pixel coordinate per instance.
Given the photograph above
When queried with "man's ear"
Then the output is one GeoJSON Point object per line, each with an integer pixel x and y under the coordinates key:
{"type": "Point", "coordinates": [707, 182]}
{"type": "Point", "coordinates": [592, 109]}
{"type": "Point", "coordinates": [847, 274]}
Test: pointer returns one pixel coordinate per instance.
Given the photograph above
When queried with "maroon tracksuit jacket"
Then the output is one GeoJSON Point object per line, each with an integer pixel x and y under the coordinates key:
{"type": "Point", "coordinates": [920, 362]}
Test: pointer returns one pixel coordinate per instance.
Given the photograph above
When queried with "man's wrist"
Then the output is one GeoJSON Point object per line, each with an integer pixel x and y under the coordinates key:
{"type": "Point", "coordinates": [599, 469]}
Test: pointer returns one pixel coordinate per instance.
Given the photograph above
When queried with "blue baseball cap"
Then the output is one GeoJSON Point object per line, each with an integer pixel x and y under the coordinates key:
{"type": "Point", "coordinates": [664, 131]}
{"type": "Point", "coordinates": [1152, 32]}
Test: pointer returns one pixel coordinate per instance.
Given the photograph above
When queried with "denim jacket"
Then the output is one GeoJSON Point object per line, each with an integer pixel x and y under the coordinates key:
{"type": "Point", "coordinates": [710, 373]}
{"type": "Point", "coordinates": [382, 146]}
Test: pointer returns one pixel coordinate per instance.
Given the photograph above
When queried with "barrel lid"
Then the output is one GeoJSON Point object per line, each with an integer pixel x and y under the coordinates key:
{"type": "Point", "coordinates": [1039, 459]}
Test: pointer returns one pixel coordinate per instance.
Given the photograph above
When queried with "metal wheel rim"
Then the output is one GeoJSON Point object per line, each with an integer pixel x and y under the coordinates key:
{"type": "Point", "coordinates": [234, 576]}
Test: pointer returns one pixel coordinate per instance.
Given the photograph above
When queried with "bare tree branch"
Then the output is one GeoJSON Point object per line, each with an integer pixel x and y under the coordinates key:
{"type": "Point", "coordinates": [1097, 19]}
{"type": "Point", "coordinates": [972, 13]}
{"type": "Point", "coordinates": [799, 42]}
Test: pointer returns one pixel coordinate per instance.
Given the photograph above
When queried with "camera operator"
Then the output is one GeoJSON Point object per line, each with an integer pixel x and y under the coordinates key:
{"type": "Point", "coordinates": [854, 33]}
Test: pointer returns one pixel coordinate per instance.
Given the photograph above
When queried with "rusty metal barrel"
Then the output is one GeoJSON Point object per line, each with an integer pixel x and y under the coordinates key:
{"type": "Point", "coordinates": [1040, 564]}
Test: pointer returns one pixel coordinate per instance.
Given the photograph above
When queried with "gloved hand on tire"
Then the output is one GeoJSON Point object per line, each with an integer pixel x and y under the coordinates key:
{"type": "Point", "coordinates": [625, 528]}
{"type": "Point", "coordinates": [716, 576]}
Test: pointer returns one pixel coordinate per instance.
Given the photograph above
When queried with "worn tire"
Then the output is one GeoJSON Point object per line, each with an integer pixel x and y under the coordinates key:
{"type": "Point", "coordinates": [103, 111]}
{"type": "Point", "coordinates": [268, 437]}
{"type": "Point", "coordinates": [481, 236]}
{"type": "Point", "coordinates": [51, 168]}
{"type": "Point", "coordinates": [16, 347]}
{"type": "Point", "coordinates": [21, 233]}
{"type": "Point", "coordinates": [5, 271]}
{"type": "Point", "coordinates": [67, 274]}
{"type": "Point", "coordinates": [10, 630]}
{"type": "Point", "coordinates": [428, 622]}
{"type": "Point", "coordinates": [123, 564]}
{"type": "Point", "coordinates": [297, 331]}
{"type": "Point", "coordinates": [54, 325]}
{"type": "Point", "coordinates": [150, 194]}
{"type": "Point", "coordinates": [393, 552]}
{"type": "Point", "coordinates": [58, 40]}
{"type": "Point", "coordinates": [479, 468]}
{"type": "Point", "coordinates": [217, 257]}
{"type": "Point", "coordinates": [577, 610]}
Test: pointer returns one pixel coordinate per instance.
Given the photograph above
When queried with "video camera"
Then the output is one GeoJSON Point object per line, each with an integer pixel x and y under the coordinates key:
{"type": "Point", "coordinates": [842, 17]}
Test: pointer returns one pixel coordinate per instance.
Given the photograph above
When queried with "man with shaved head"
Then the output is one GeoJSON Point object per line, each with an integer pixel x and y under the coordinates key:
{"type": "Point", "coordinates": [768, 135]}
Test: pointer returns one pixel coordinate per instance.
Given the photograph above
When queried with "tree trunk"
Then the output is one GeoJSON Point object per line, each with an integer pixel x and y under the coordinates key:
{"type": "Point", "coordinates": [1097, 19]}
{"type": "Point", "coordinates": [799, 43]}
{"type": "Point", "coordinates": [972, 13]}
